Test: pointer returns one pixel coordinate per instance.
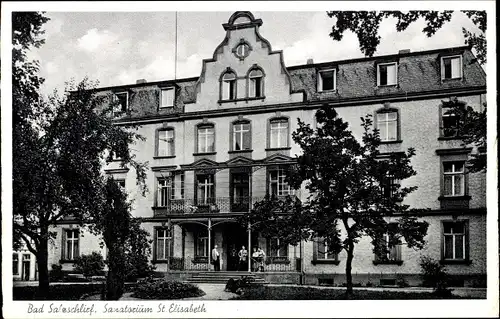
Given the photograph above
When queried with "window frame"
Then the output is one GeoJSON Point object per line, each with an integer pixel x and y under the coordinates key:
{"type": "Point", "coordinates": [453, 173]}
{"type": "Point", "coordinates": [116, 98]}
{"type": "Point", "coordinates": [233, 135]}
{"type": "Point", "coordinates": [222, 83]}
{"type": "Point", "coordinates": [379, 77]}
{"type": "Point", "coordinates": [64, 252]}
{"type": "Point", "coordinates": [443, 71]}
{"type": "Point", "coordinates": [442, 128]}
{"type": "Point", "coordinates": [387, 110]}
{"type": "Point", "coordinates": [166, 106]}
{"type": "Point", "coordinates": [157, 142]}
{"type": "Point", "coordinates": [168, 244]}
{"type": "Point", "coordinates": [270, 135]}
{"type": "Point", "coordinates": [320, 80]}
{"type": "Point", "coordinates": [282, 182]}
{"type": "Point", "coordinates": [316, 260]}
{"type": "Point", "coordinates": [466, 243]}
{"type": "Point", "coordinates": [15, 264]}
{"type": "Point", "coordinates": [209, 199]}
{"type": "Point", "coordinates": [197, 134]}
{"type": "Point", "coordinates": [398, 258]}
{"type": "Point", "coordinates": [262, 82]}
{"type": "Point", "coordinates": [204, 238]}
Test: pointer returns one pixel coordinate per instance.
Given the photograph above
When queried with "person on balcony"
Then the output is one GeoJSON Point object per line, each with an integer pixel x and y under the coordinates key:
{"type": "Point", "coordinates": [216, 258]}
{"type": "Point", "coordinates": [242, 254]}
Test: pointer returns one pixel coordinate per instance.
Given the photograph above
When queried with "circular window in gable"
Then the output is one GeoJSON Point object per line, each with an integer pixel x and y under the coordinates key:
{"type": "Point", "coordinates": [242, 50]}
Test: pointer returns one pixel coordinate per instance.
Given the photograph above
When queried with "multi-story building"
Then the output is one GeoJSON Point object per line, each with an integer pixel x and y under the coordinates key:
{"type": "Point", "coordinates": [220, 142]}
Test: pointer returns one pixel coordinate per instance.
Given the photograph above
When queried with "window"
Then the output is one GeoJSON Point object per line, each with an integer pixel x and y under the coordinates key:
{"type": "Point", "coordinates": [242, 50]}
{"type": "Point", "coordinates": [122, 102]}
{"type": "Point", "coordinates": [256, 82]}
{"type": "Point", "coordinates": [276, 249]}
{"type": "Point", "coordinates": [277, 184]}
{"type": "Point", "coordinates": [121, 184]}
{"type": "Point", "coordinates": [279, 133]}
{"type": "Point", "coordinates": [449, 122]}
{"type": "Point", "coordinates": [206, 139]}
{"type": "Point", "coordinates": [166, 143]}
{"type": "Point", "coordinates": [324, 252]}
{"type": "Point", "coordinates": [166, 192]}
{"type": "Point", "coordinates": [387, 123]}
{"type": "Point", "coordinates": [228, 86]}
{"type": "Point", "coordinates": [15, 264]}
{"type": "Point", "coordinates": [163, 239]}
{"type": "Point", "coordinates": [167, 98]}
{"type": "Point", "coordinates": [241, 136]}
{"type": "Point", "coordinates": [389, 253]}
{"type": "Point", "coordinates": [201, 244]}
{"type": "Point", "coordinates": [454, 240]}
{"type": "Point", "coordinates": [451, 67]}
{"type": "Point", "coordinates": [205, 189]}
{"type": "Point", "coordinates": [71, 244]}
{"type": "Point", "coordinates": [240, 184]}
{"type": "Point", "coordinates": [387, 74]}
{"type": "Point", "coordinates": [389, 185]}
{"type": "Point", "coordinates": [326, 80]}
{"type": "Point", "coordinates": [454, 178]}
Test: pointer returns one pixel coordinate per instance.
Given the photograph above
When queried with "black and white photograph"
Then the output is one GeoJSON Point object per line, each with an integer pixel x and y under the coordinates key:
{"type": "Point", "coordinates": [182, 160]}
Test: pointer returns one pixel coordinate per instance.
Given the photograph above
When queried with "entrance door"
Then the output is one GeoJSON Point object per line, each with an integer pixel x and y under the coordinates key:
{"type": "Point", "coordinates": [235, 238]}
{"type": "Point", "coordinates": [26, 267]}
{"type": "Point", "coordinates": [240, 192]}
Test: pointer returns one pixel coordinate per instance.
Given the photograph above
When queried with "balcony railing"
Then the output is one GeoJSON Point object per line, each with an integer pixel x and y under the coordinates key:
{"type": "Point", "coordinates": [206, 205]}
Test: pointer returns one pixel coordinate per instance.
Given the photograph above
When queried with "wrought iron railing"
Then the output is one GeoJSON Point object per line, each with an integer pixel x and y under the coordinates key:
{"type": "Point", "coordinates": [207, 205]}
{"type": "Point", "coordinates": [270, 264]}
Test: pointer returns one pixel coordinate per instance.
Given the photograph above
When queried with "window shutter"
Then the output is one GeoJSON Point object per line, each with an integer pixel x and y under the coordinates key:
{"type": "Point", "coordinates": [77, 244]}
{"type": "Point", "coordinates": [315, 249]}
{"type": "Point", "coordinates": [63, 245]}
{"type": "Point", "coordinates": [320, 82]}
{"type": "Point", "coordinates": [466, 235]}
{"type": "Point", "coordinates": [155, 241]}
{"type": "Point", "coordinates": [398, 253]}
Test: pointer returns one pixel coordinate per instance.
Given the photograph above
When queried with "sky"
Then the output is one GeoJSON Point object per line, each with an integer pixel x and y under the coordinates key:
{"type": "Point", "coordinates": [117, 48]}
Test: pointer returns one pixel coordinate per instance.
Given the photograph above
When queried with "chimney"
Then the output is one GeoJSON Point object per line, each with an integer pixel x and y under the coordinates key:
{"type": "Point", "coordinates": [405, 51]}
{"type": "Point", "coordinates": [310, 61]}
{"type": "Point", "coordinates": [141, 81]}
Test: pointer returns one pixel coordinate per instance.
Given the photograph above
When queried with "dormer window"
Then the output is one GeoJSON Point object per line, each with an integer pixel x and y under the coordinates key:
{"type": "Point", "coordinates": [327, 80]}
{"type": "Point", "coordinates": [387, 74]}
{"type": "Point", "coordinates": [228, 86]}
{"type": "Point", "coordinates": [451, 67]}
{"type": "Point", "coordinates": [256, 83]}
{"type": "Point", "coordinates": [167, 98]}
{"type": "Point", "coordinates": [121, 100]}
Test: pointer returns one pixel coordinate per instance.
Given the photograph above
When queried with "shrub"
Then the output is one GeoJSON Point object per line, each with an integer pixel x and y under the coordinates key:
{"type": "Point", "coordinates": [369, 284]}
{"type": "Point", "coordinates": [152, 288]}
{"type": "Point", "coordinates": [138, 250]}
{"type": "Point", "coordinates": [401, 281]}
{"type": "Point", "coordinates": [434, 275]}
{"type": "Point", "coordinates": [56, 292]}
{"type": "Point", "coordinates": [89, 265]}
{"type": "Point", "coordinates": [237, 285]}
{"type": "Point", "coordinates": [56, 274]}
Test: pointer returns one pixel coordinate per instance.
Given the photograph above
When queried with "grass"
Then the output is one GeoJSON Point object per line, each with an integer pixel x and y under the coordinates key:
{"type": "Point", "coordinates": [307, 293]}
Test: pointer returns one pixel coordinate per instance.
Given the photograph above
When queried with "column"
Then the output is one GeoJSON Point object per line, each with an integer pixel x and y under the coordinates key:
{"type": "Point", "coordinates": [209, 243]}
{"type": "Point", "coordinates": [249, 247]}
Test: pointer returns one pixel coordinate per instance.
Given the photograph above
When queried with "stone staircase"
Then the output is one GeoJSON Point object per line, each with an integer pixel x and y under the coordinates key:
{"type": "Point", "coordinates": [222, 277]}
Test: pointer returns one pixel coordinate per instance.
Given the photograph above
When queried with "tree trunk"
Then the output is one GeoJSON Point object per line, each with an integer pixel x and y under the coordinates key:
{"type": "Point", "coordinates": [115, 280]}
{"type": "Point", "coordinates": [348, 267]}
{"type": "Point", "coordinates": [42, 259]}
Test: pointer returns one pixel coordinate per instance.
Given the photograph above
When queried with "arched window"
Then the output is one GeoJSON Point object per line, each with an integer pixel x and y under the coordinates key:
{"type": "Point", "coordinates": [255, 83]}
{"type": "Point", "coordinates": [228, 86]}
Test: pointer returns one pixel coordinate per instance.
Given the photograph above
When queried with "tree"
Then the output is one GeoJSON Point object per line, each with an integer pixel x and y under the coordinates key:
{"type": "Point", "coordinates": [59, 148]}
{"type": "Point", "coordinates": [365, 24]}
{"type": "Point", "coordinates": [138, 251]}
{"type": "Point", "coordinates": [470, 127]}
{"type": "Point", "coordinates": [347, 182]}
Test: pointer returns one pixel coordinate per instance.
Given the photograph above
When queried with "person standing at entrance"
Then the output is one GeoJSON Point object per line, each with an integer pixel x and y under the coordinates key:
{"type": "Point", "coordinates": [242, 254]}
{"type": "Point", "coordinates": [216, 258]}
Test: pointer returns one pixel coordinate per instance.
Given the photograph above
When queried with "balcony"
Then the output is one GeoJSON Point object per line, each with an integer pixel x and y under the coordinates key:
{"type": "Point", "coordinates": [213, 205]}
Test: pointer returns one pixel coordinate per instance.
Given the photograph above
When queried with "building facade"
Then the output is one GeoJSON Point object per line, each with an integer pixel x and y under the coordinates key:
{"type": "Point", "coordinates": [218, 143]}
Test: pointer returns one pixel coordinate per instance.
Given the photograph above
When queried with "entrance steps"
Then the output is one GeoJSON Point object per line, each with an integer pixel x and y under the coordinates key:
{"type": "Point", "coordinates": [222, 277]}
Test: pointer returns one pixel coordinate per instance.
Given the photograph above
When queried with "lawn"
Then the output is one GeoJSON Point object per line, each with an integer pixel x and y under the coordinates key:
{"type": "Point", "coordinates": [307, 293]}
{"type": "Point", "coordinates": [57, 292]}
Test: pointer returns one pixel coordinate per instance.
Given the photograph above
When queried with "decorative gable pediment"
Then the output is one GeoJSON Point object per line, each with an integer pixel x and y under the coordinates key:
{"type": "Point", "coordinates": [279, 159]}
{"type": "Point", "coordinates": [242, 50]}
{"type": "Point", "coordinates": [239, 161]}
